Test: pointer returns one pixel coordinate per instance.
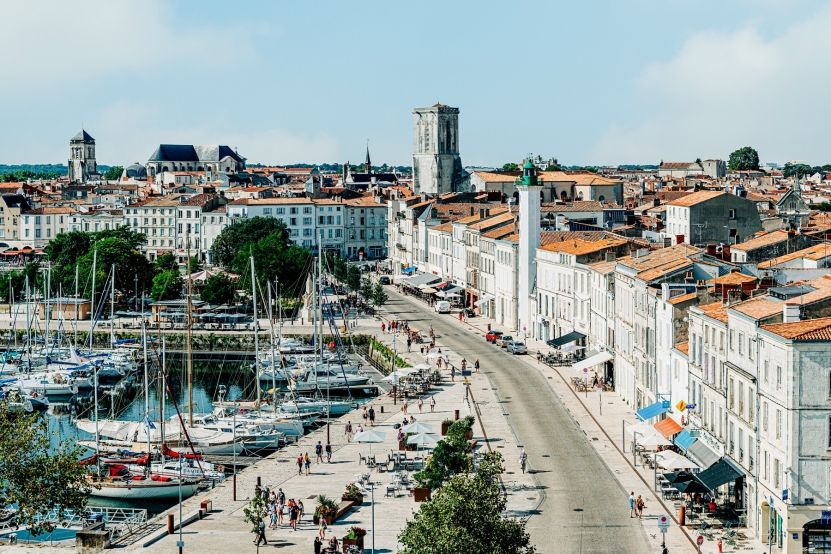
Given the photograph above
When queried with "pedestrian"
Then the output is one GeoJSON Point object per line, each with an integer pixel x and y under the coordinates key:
{"type": "Point", "coordinates": [281, 506]}
{"type": "Point", "coordinates": [261, 533]}
{"type": "Point", "coordinates": [302, 509]}
{"type": "Point", "coordinates": [372, 416]}
{"type": "Point", "coordinates": [383, 327]}
{"type": "Point", "coordinates": [321, 529]}
{"type": "Point", "coordinates": [453, 373]}
{"type": "Point", "coordinates": [360, 428]}
{"type": "Point", "coordinates": [438, 362]}
{"type": "Point", "coordinates": [294, 511]}
{"type": "Point", "coordinates": [464, 364]}
{"type": "Point", "coordinates": [523, 460]}
{"type": "Point", "coordinates": [632, 504]}
{"type": "Point", "coordinates": [639, 506]}
{"type": "Point", "coordinates": [300, 464]}
{"type": "Point", "coordinates": [272, 516]}
{"type": "Point", "coordinates": [333, 544]}
{"type": "Point", "coordinates": [404, 406]}
{"type": "Point", "coordinates": [319, 452]}
{"type": "Point", "coordinates": [328, 453]}
{"type": "Point", "coordinates": [348, 431]}
{"type": "Point", "coordinates": [422, 350]}
{"type": "Point", "coordinates": [420, 404]}
{"type": "Point", "coordinates": [461, 316]}
{"type": "Point", "coordinates": [476, 365]}
{"type": "Point", "coordinates": [318, 545]}
{"type": "Point", "coordinates": [409, 343]}
{"type": "Point", "coordinates": [432, 403]}
{"type": "Point", "coordinates": [307, 462]}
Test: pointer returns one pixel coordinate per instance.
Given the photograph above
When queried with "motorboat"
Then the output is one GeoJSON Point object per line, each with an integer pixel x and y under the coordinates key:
{"type": "Point", "coordinates": [303, 405]}
{"type": "Point", "coordinates": [322, 378]}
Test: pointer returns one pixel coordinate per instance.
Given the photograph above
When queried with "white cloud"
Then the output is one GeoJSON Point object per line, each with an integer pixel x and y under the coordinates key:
{"type": "Point", "coordinates": [724, 90]}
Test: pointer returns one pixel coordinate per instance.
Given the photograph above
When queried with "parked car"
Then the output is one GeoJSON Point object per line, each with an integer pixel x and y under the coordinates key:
{"type": "Point", "coordinates": [469, 312]}
{"type": "Point", "coordinates": [493, 336]}
{"type": "Point", "coordinates": [384, 280]}
{"type": "Point", "coordinates": [516, 347]}
{"type": "Point", "coordinates": [442, 307]}
{"type": "Point", "coordinates": [504, 340]}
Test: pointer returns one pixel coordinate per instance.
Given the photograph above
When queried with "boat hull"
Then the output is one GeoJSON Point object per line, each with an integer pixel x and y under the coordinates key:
{"type": "Point", "coordinates": [139, 490]}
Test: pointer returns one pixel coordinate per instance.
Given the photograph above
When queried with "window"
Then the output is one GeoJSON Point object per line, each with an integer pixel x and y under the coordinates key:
{"type": "Point", "coordinates": [765, 416]}
{"type": "Point", "coordinates": [307, 221]}
{"type": "Point", "coordinates": [266, 211]}
{"type": "Point", "coordinates": [767, 371]}
{"type": "Point", "coordinates": [732, 334]}
{"type": "Point", "coordinates": [778, 423]}
{"type": "Point", "coordinates": [741, 343]}
{"type": "Point", "coordinates": [829, 431]}
{"type": "Point", "coordinates": [750, 348]}
{"type": "Point", "coordinates": [732, 213]}
{"type": "Point", "coordinates": [778, 377]}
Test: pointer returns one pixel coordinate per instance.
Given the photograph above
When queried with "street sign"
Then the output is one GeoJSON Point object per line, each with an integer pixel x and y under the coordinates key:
{"type": "Point", "coordinates": [700, 540]}
{"type": "Point", "coordinates": [585, 370]}
{"type": "Point", "coordinates": [825, 515]}
{"type": "Point", "coordinates": [663, 524]}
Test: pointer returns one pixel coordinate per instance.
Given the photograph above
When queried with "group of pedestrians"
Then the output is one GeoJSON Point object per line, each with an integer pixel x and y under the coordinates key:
{"type": "Point", "coordinates": [319, 452]}
{"type": "Point", "coordinates": [636, 505]}
{"type": "Point", "coordinates": [394, 326]}
{"type": "Point", "coordinates": [304, 461]}
{"type": "Point", "coordinates": [277, 510]}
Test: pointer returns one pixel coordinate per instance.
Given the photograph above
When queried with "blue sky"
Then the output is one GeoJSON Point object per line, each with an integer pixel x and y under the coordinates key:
{"type": "Point", "coordinates": [597, 81]}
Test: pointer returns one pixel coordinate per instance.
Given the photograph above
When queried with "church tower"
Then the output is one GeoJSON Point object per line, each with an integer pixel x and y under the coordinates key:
{"type": "Point", "coordinates": [82, 157]}
{"type": "Point", "coordinates": [437, 167]}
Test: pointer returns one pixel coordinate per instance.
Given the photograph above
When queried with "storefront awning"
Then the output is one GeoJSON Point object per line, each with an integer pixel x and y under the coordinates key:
{"type": "Point", "coordinates": [485, 298]}
{"type": "Point", "coordinates": [667, 459]}
{"type": "Point", "coordinates": [720, 473]}
{"type": "Point", "coordinates": [428, 290]}
{"type": "Point", "coordinates": [653, 410]}
{"type": "Point", "coordinates": [668, 427]}
{"type": "Point", "coordinates": [409, 270]}
{"type": "Point", "coordinates": [702, 454]}
{"type": "Point", "coordinates": [565, 339]}
{"type": "Point", "coordinates": [591, 361]}
{"type": "Point", "coordinates": [685, 439]}
{"type": "Point", "coordinates": [421, 279]}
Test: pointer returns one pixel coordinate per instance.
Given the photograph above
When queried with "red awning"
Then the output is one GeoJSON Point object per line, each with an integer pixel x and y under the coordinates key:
{"type": "Point", "coordinates": [668, 427]}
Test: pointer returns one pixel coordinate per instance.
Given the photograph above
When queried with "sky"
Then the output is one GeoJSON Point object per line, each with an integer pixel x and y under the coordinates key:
{"type": "Point", "coordinates": [591, 82]}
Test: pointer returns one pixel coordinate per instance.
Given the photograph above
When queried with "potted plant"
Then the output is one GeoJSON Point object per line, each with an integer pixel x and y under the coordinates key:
{"type": "Point", "coordinates": [355, 537]}
{"type": "Point", "coordinates": [445, 425]}
{"type": "Point", "coordinates": [326, 509]}
{"type": "Point", "coordinates": [353, 494]}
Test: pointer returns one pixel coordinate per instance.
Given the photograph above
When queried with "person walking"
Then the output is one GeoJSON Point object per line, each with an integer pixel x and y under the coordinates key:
{"type": "Point", "coordinates": [420, 404]}
{"type": "Point", "coordinates": [300, 464]}
{"type": "Point", "coordinates": [523, 460]}
{"type": "Point", "coordinates": [632, 504]}
{"type": "Point", "coordinates": [348, 431]}
{"type": "Point", "coordinates": [294, 511]}
{"type": "Point", "coordinates": [404, 405]}
{"type": "Point", "coordinates": [365, 415]}
{"type": "Point", "coordinates": [432, 403]}
{"type": "Point", "coordinates": [639, 506]}
{"type": "Point", "coordinates": [261, 533]}
{"type": "Point", "coordinates": [321, 529]}
{"type": "Point", "coordinates": [464, 364]}
{"type": "Point", "coordinates": [383, 327]}
{"type": "Point", "coordinates": [328, 453]}
{"type": "Point", "coordinates": [453, 373]}
{"type": "Point", "coordinates": [318, 545]}
{"type": "Point", "coordinates": [371, 416]}
{"type": "Point", "coordinates": [302, 509]}
{"type": "Point", "coordinates": [409, 343]}
{"type": "Point", "coordinates": [438, 362]}
{"type": "Point", "coordinates": [307, 462]}
{"type": "Point", "coordinates": [319, 452]}
{"type": "Point", "coordinates": [476, 365]}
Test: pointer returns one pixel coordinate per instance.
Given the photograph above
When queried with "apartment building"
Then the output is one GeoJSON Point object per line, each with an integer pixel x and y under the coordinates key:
{"type": "Point", "coordinates": [40, 225]}
{"type": "Point", "coordinates": [96, 220]}
{"type": "Point", "coordinates": [711, 216]}
{"type": "Point", "coordinates": [155, 217]}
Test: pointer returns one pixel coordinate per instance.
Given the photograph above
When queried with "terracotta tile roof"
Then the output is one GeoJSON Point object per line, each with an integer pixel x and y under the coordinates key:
{"type": "Point", "coordinates": [760, 241]}
{"type": "Point", "coordinates": [683, 347]}
{"type": "Point", "coordinates": [199, 200]}
{"type": "Point", "coordinates": [697, 198]}
{"type": "Point", "coordinates": [491, 177]}
{"type": "Point", "coordinates": [815, 252]}
{"type": "Point", "coordinates": [578, 178]}
{"type": "Point", "coordinates": [578, 206]}
{"type": "Point", "coordinates": [579, 247]}
{"type": "Point", "coordinates": [807, 330]}
{"type": "Point", "coordinates": [604, 268]}
{"type": "Point", "coordinates": [675, 165]}
{"type": "Point", "coordinates": [499, 218]}
{"type": "Point", "coordinates": [715, 310]}
{"type": "Point", "coordinates": [680, 299]}
{"type": "Point", "coordinates": [501, 232]}
{"type": "Point", "coordinates": [761, 307]}
{"type": "Point", "coordinates": [443, 228]}
{"type": "Point", "coordinates": [661, 262]}
{"type": "Point", "coordinates": [733, 278]}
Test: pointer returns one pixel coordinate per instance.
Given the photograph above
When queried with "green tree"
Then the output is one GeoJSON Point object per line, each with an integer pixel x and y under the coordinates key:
{"type": "Point", "coordinates": [255, 512]}
{"type": "Point", "coordinates": [510, 166]}
{"type": "Point", "coordinates": [36, 477]}
{"type": "Point", "coordinates": [194, 264]}
{"type": "Point", "coordinates": [166, 262]}
{"type": "Point", "coordinates": [451, 456]}
{"type": "Point", "coordinates": [274, 256]}
{"type": "Point", "coordinates": [218, 289]}
{"type": "Point", "coordinates": [465, 515]}
{"type": "Point", "coordinates": [113, 173]}
{"type": "Point", "coordinates": [379, 295]}
{"type": "Point", "coordinates": [167, 285]}
{"type": "Point", "coordinates": [367, 289]}
{"type": "Point", "coordinates": [797, 170]}
{"type": "Point", "coordinates": [243, 232]}
{"type": "Point", "coordinates": [353, 278]}
{"type": "Point", "coordinates": [743, 159]}
{"type": "Point", "coordinates": [129, 264]}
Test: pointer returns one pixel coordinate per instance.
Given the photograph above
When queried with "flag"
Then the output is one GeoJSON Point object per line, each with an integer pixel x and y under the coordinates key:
{"type": "Point", "coordinates": [149, 424]}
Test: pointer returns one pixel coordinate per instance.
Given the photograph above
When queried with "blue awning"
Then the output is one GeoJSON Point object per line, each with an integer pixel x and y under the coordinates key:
{"type": "Point", "coordinates": [409, 270]}
{"type": "Point", "coordinates": [653, 410]}
{"type": "Point", "coordinates": [685, 439]}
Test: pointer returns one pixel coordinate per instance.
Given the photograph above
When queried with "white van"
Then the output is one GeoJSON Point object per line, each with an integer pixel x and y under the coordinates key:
{"type": "Point", "coordinates": [442, 307]}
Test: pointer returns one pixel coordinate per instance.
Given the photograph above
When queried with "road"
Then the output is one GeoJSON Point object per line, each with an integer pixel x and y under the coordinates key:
{"type": "Point", "coordinates": [584, 509]}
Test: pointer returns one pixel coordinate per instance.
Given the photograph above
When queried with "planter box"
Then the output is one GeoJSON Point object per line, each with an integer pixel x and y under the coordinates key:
{"type": "Point", "coordinates": [346, 543]}
{"type": "Point", "coordinates": [445, 425]}
{"type": "Point", "coordinates": [357, 501]}
{"type": "Point", "coordinates": [469, 435]}
{"type": "Point", "coordinates": [421, 494]}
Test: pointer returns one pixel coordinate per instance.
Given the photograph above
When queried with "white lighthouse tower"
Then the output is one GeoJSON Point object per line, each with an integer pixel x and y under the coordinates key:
{"type": "Point", "coordinates": [529, 239]}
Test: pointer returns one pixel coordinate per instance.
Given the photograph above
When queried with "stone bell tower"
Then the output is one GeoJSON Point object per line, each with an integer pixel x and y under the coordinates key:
{"type": "Point", "coordinates": [82, 157]}
{"type": "Point", "coordinates": [437, 166]}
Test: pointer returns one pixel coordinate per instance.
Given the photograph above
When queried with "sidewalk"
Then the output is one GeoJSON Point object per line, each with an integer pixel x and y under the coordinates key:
{"type": "Point", "coordinates": [605, 432]}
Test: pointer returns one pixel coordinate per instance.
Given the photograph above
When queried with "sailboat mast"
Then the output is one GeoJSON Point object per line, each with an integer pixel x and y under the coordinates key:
{"type": "Point", "coordinates": [95, 409]}
{"type": "Point", "coordinates": [273, 353]}
{"type": "Point", "coordinates": [112, 309]}
{"type": "Point", "coordinates": [146, 386]}
{"type": "Point", "coordinates": [190, 332]}
{"type": "Point", "coordinates": [46, 306]}
{"type": "Point", "coordinates": [256, 332]}
{"type": "Point", "coordinates": [163, 393]}
{"type": "Point", "coordinates": [75, 323]}
{"type": "Point", "coordinates": [92, 298]}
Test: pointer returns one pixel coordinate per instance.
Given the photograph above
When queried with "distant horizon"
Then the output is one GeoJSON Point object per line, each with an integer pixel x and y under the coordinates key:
{"type": "Point", "coordinates": [621, 81]}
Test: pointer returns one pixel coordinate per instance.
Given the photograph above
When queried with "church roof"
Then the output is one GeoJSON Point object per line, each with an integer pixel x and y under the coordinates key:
{"type": "Point", "coordinates": [83, 136]}
{"type": "Point", "coordinates": [193, 153]}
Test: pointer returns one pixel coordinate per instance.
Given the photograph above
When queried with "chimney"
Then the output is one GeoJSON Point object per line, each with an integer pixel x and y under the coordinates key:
{"type": "Point", "coordinates": [611, 256]}
{"type": "Point", "coordinates": [665, 291]}
{"type": "Point", "coordinates": [472, 210]}
{"type": "Point", "coordinates": [790, 313]}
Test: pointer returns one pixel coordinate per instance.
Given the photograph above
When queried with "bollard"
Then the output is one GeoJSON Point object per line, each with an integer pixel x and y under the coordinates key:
{"type": "Point", "coordinates": [456, 415]}
{"type": "Point", "coordinates": [682, 516]}
{"type": "Point", "coordinates": [169, 524]}
{"type": "Point", "coordinates": [382, 408]}
{"type": "Point", "coordinates": [259, 481]}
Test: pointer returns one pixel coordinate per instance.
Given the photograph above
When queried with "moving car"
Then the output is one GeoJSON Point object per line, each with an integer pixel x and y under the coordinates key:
{"type": "Point", "coordinates": [442, 307]}
{"type": "Point", "coordinates": [493, 336]}
{"type": "Point", "coordinates": [516, 347]}
{"type": "Point", "coordinates": [504, 340]}
{"type": "Point", "coordinates": [384, 280]}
